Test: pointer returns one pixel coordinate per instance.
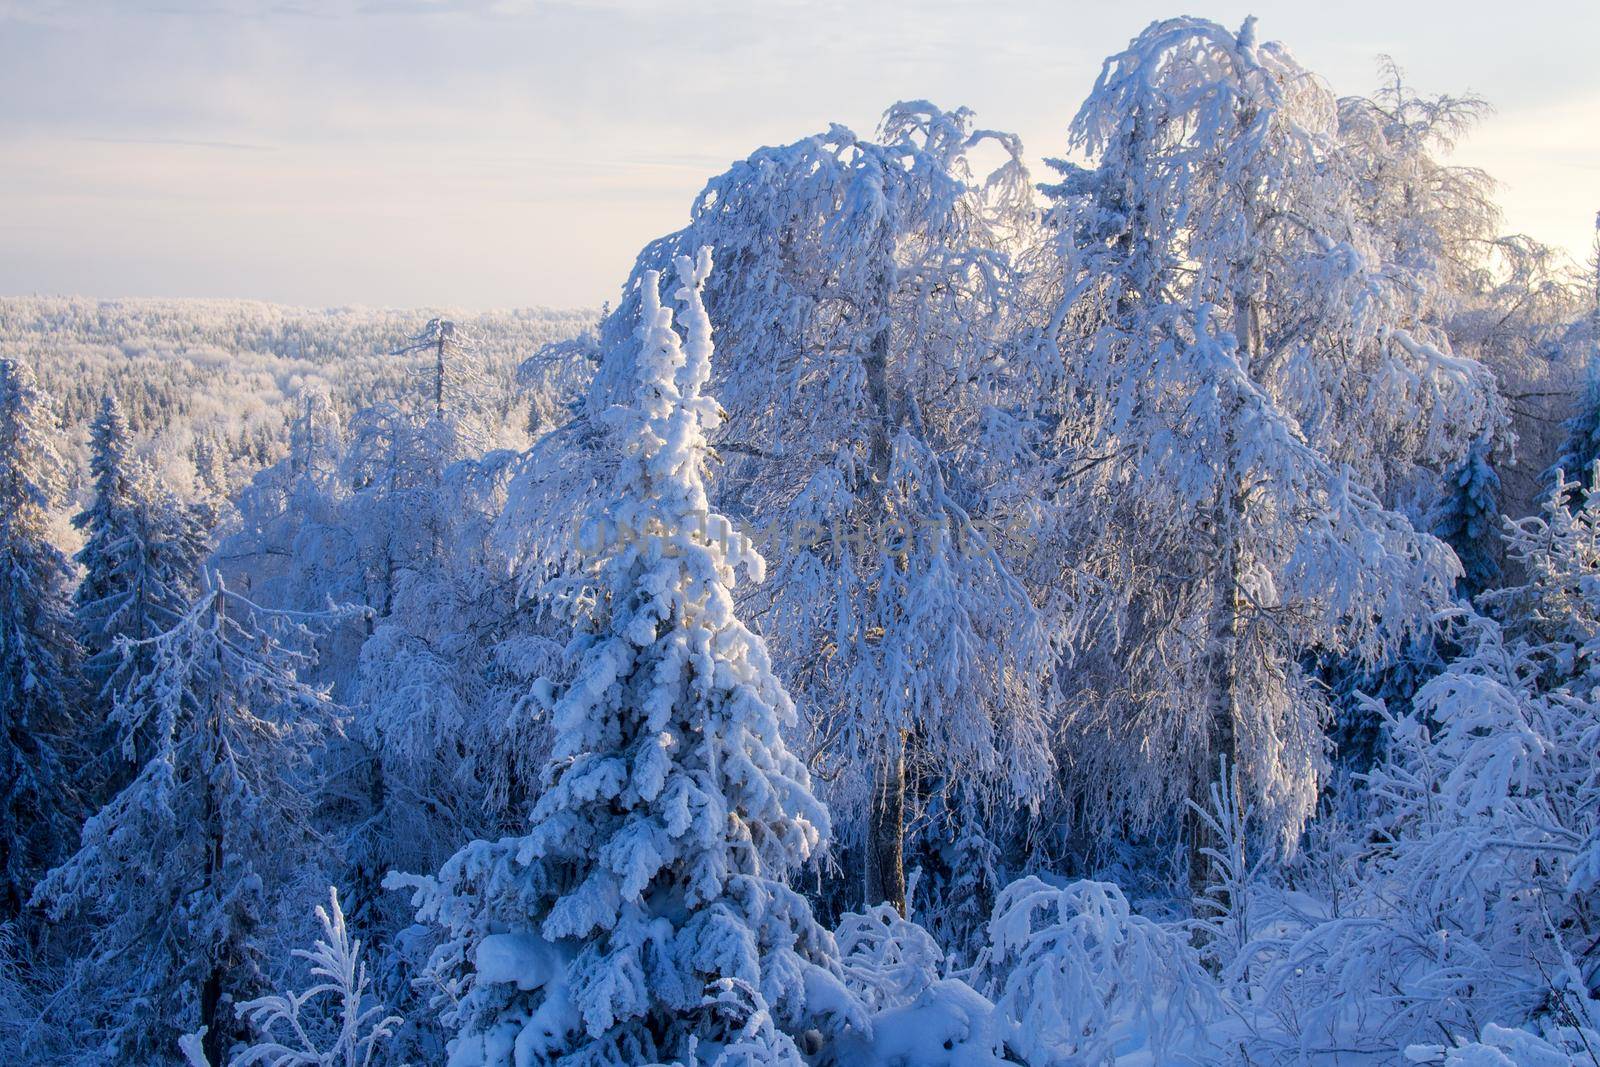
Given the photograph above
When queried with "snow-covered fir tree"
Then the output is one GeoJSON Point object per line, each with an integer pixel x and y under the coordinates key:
{"type": "Point", "coordinates": [141, 556]}
{"type": "Point", "coordinates": [39, 690]}
{"type": "Point", "coordinates": [1467, 518]}
{"type": "Point", "coordinates": [102, 521]}
{"type": "Point", "coordinates": [1581, 449]}
{"type": "Point", "coordinates": [173, 873]}
{"type": "Point", "coordinates": [645, 915]}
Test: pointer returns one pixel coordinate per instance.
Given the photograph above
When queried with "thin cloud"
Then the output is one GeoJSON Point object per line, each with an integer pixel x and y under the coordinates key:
{"type": "Point", "coordinates": [231, 146]}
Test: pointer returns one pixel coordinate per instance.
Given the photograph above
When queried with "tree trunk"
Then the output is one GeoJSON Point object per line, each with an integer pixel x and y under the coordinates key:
{"type": "Point", "coordinates": [1222, 653]}
{"type": "Point", "coordinates": [214, 1044]}
{"type": "Point", "coordinates": [438, 376]}
{"type": "Point", "coordinates": [886, 874]}
{"type": "Point", "coordinates": [217, 1029]}
{"type": "Point", "coordinates": [1224, 624]}
{"type": "Point", "coordinates": [886, 868]}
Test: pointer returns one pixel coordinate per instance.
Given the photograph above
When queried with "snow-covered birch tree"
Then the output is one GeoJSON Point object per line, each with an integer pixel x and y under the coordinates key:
{"type": "Point", "coordinates": [1256, 378]}
{"type": "Point", "coordinates": [644, 916]}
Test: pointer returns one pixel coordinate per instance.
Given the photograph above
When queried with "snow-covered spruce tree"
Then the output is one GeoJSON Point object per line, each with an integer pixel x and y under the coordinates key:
{"type": "Point", "coordinates": [38, 653]}
{"type": "Point", "coordinates": [644, 916]}
{"type": "Point", "coordinates": [1352, 684]}
{"type": "Point", "coordinates": [1467, 518]}
{"type": "Point", "coordinates": [173, 870]}
{"type": "Point", "coordinates": [1581, 449]}
{"type": "Point", "coordinates": [141, 556]}
{"type": "Point", "coordinates": [960, 871]}
{"type": "Point", "coordinates": [1582, 445]}
{"type": "Point", "coordinates": [103, 520]}
{"type": "Point", "coordinates": [882, 430]}
{"type": "Point", "coordinates": [1255, 378]}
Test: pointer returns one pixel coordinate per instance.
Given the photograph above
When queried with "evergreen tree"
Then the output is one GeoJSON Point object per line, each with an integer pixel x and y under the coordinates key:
{"type": "Point", "coordinates": [104, 519]}
{"type": "Point", "coordinates": [38, 653]}
{"type": "Point", "coordinates": [644, 917]}
{"type": "Point", "coordinates": [1467, 518]}
{"type": "Point", "coordinates": [141, 558]}
{"type": "Point", "coordinates": [1582, 446]}
{"type": "Point", "coordinates": [174, 870]}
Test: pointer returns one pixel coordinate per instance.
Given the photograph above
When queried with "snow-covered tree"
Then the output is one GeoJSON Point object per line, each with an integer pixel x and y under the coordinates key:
{"type": "Point", "coordinates": [1467, 518]}
{"type": "Point", "coordinates": [454, 387]}
{"type": "Point", "coordinates": [1429, 219]}
{"type": "Point", "coordinates": [141, 556]}
{"type": "Point", "coordinates": [880, 431]}
{"type": "Point", "coordinates": [960, 853]}
{"type": "Point", "coordinates": [446, 742]}
{"type": "Point", "coordinates": [173, 872]}
{"type": "Point", "coordinates": [209, 456]}
{"type": "Point", "coordinates": [289, 550]}
{"type": "Point", "coordinates": [1255, 377]}
{"type": "Point", "coordinates": [38, 652]}
{"type": "Point", "coordinates": [921, 1014]}
{"type": "Point", "coordinates": [445, 745]}
{"type": "Point", "coordinates": [1581, 449]}
{"type": "Point", "coordinates": [653, 872]}
{"type": "Point", "coordinates": [111, 476]}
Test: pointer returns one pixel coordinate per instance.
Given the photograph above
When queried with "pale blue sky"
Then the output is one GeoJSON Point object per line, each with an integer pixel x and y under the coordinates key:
{"type": "Point", "coordinates": [514, 152]}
